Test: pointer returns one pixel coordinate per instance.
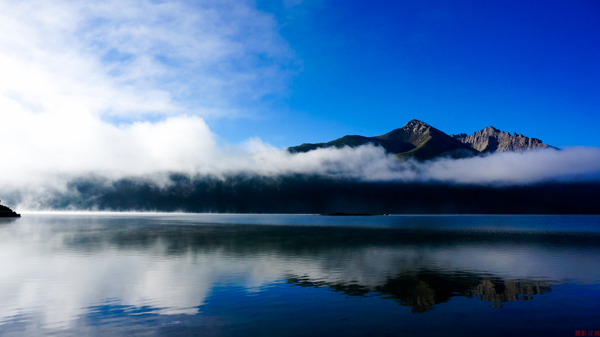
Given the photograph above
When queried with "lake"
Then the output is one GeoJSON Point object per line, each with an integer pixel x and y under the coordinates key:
{"type": "Point", "coordinates": [299, 275]}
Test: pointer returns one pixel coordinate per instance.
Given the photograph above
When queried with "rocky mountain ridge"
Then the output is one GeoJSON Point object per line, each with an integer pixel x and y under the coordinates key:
{"type": "Point", "coordinates": [491, 139]}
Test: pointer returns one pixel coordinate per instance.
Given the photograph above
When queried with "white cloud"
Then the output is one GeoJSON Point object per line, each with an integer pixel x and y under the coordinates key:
{"type": "Point", "coordinates": [130, 58]}
{"type": "Point", "coordinates": [70, 66]}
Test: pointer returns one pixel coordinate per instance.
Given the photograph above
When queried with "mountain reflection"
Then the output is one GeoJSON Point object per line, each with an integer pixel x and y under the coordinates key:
{"type": "Point", "coordinates": [423, 290]}
{"type": "Point", "coordinates": [60, 268]}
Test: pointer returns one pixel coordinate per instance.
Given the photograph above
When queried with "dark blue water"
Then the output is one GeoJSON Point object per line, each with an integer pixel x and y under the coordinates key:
{"type": "Point", "coordinates": [299, 275]}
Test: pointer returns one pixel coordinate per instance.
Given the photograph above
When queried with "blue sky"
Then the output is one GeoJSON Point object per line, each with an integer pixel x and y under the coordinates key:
{"type": "Point", "coordinates": [368, 67]}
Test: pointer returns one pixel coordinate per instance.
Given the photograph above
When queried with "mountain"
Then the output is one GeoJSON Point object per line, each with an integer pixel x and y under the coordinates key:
{"type": "Point", "coordinates": [491, 139]}
{"type": "Point", "coordinates": [414, 140]}
{"type": "Point", "coordinates": [421, 141]}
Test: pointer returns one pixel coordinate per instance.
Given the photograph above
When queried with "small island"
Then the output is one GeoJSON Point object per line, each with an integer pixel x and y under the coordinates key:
{"type": "Point", "coordinates": [6, 212]}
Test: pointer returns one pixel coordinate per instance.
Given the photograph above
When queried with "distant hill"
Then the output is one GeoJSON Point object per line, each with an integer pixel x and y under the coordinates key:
{"type": "Point", "coordinates": [421, 141]}
{"type": "Point", "coordinates": [491, 139]}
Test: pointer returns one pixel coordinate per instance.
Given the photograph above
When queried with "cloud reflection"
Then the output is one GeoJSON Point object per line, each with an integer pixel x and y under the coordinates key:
{"type": "Point", "coordinates": [57, 268]}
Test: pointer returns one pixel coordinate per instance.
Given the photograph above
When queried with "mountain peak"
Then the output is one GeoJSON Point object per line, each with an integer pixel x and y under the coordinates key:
{"type": "Point", "coordinates": [415, 123]}
{"type": "Point", "coordinates": [415, 127]}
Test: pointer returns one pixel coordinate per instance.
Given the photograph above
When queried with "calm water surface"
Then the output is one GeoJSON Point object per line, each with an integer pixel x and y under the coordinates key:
{"type": "Point", "coordinates": [298, 275]}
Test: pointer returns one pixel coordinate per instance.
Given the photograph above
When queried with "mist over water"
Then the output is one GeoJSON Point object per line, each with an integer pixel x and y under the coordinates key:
{"type": "Point", "coordinates": [321, 180]}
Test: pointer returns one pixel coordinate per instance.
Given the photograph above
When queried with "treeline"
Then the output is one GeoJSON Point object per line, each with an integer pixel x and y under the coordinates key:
{"type": "Point", "coordinates": [317, 194]}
